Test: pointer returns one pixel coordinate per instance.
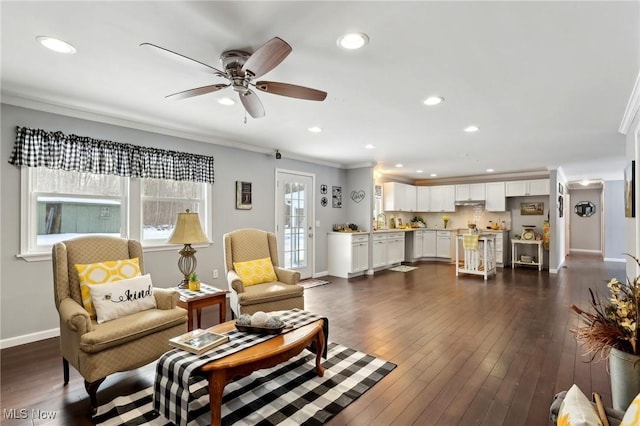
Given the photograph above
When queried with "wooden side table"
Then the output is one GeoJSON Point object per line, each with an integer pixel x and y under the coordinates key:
{"type": "Point", "coordinates": [207, 296]}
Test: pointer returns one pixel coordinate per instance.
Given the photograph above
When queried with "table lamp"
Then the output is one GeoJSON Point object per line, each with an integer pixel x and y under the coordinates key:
{"type": "Point", "coordinates": [187, 231]}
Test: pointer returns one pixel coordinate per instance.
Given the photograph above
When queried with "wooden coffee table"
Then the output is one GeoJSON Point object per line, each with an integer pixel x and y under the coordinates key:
{"type": "Point", "coordinates": [263, 355]}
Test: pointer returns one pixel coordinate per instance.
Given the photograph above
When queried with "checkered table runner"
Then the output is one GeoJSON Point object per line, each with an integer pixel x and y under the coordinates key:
{"type": "Point", "coordinates": [173, 372]}
{"type": "Point", "coordinates": [186, 294]}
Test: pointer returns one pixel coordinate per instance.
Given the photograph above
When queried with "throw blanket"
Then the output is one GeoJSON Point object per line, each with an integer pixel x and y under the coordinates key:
{"type": "Point", "coordinates": [174, 369]}
{"type": "Point", "coordinates": [470, 242]}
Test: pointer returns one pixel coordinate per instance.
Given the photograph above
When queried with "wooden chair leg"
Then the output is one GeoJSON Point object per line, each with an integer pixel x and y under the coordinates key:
{"type": "Point", "coordinates": [92, 390]}
{"type": "Point", "coordinates": [65, 371]}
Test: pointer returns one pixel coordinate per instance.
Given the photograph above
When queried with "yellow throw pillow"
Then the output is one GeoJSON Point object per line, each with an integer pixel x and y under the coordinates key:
{"type": "Point", "coordinates": [104, 272]}
{"type": "Point", "coordinates": [632, 415]}
{"type": "Point", "coordinates": [576, 410]}
{"type": "Point", "coordinates": [255, 271]}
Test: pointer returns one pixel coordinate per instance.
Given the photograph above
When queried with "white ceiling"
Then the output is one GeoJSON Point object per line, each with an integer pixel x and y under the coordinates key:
{"type": "Point", "coordinates": [546, 82]}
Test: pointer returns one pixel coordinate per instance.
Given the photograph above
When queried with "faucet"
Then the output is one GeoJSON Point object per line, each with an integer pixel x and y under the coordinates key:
{"type": "Point", "coordinates": [383, 223]}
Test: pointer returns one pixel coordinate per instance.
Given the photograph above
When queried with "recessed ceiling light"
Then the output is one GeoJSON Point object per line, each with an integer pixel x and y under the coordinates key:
{"type": "Point", "coordinates": [369, 146]}
{"type": "Point", "coordinates": [433, 174]}
{"type": "Point", "coordinates": [399, 165]}
{"type": "Point", "coordinates": [419, 171]}
{"type": "Point", "coordinates": [490, 170]}
{"type": "Point", "coordinates": [56, 45]}
{"type": "Point", "coordinates": [353, 41]}
{"type": "Point", "coordinates": [314, 129]}
{"type": "Point", "coordinates": [226, 101]}
{"type": "Point", "coordinates": [585, 183]}
{"type": "Point", "coordinates": [471, 129]}
{"type": "Point", "coordinates": [433, 100]}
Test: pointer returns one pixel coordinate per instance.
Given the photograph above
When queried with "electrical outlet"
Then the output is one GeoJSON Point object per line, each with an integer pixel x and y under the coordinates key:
{"type": "Point", "coordinates": [215, 273]}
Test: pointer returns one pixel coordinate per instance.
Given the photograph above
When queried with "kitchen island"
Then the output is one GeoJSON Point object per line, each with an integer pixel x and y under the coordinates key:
{"type": "Point", "coordinates": [478, 260]}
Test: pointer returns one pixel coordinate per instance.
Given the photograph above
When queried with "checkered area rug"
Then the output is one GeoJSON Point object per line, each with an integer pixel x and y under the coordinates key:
{"type": "Point", "coordinates": [287, 394]}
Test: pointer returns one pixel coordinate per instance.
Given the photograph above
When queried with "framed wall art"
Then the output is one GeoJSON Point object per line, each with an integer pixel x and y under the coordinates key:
{"type": "Point", "coordinates": [527, 209]}
{"type": "Point", "coordinates": [630, 190]}
{"type": "Point", "coordinates": [243, 195]}
{"type": "Point", "coordinates": [336, 197]}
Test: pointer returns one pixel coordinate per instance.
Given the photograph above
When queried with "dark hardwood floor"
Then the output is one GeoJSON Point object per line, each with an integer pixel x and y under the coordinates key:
{"type": "Point", "coordinates": [468, 352]}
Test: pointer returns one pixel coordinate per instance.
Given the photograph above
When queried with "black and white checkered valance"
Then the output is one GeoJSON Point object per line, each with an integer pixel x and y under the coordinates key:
{"type": "Point", "coordinates": [55, 150]}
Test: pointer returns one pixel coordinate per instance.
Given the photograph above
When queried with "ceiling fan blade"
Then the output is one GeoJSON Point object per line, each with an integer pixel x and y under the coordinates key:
{"type": "Point", "coordinates": [252, 104]}
{"type": "Point", "coordinates": [267, 57]}
{"type": "Point", "coordinates": [197, 91]}
{"type": "Point", "coordinates": [173, 55]}
{"type": "Point", "coordinates": [291, 90]}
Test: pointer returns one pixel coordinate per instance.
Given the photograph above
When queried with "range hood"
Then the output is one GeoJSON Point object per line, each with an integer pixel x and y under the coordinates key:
{"type": "Point", "coordinates": [470, 203]}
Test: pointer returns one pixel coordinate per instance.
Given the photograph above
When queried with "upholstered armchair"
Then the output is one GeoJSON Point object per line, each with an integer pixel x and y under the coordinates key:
{"type": "Point", "coordinates": [99, 349]}
{"type": "Point", "coordinates": [280, 293]}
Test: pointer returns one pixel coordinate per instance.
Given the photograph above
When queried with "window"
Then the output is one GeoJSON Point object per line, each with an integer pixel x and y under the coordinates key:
{"type": "Point", "coordinates": [60, 205]}
{"type": "Point", "coordinates": [162, 200]}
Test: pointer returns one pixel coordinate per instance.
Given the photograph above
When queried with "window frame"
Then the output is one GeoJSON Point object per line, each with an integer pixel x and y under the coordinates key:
{"type": "Point", "coordinates": [130, 216]}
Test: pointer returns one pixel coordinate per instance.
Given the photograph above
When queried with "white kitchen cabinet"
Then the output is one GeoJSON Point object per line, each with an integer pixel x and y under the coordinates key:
{"type": "Point", "coordinates": [522, 188]}
{"type": "Point", "coordinates": [470, 192]}
{"type": "Point", "coordinates": [348, 254]}
{"type": "Point", "coordinates": [423, 201]}
{"type": "Point", "coordinates": [443, 198]}
{"type": "Point", "coordinates": [399, 197]}
{"type": "Point", "coordinates": [429, 243]}
{"type": "Point", "coordinates": [388, 249]}
{"type": "Point", "coordinates": [443, 244]}
{"type": "Point", "coordinates": [417, 244]}
{"type": "Point", "coordinates": [395, 248]}
{"type": "Point", "coordinates": [496, 197]}
{"type": "Point", "coordinates": [379, 250]}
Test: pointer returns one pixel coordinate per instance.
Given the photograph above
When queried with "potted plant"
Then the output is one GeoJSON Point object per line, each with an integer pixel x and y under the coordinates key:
{"type": "Point", "coordinates": [610, 331]}
{"type": "Point", "coordinates": [194, 282]}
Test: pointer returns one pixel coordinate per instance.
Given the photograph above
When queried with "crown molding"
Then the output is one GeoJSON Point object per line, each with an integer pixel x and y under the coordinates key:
{"type": "Point", "coordinates": [633, 106]}
{"type": "Point", "coordinates": [52, 107]}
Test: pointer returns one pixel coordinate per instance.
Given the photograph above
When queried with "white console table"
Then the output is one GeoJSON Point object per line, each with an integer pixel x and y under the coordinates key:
{"type": "Point", "coordinates": [514, 253]}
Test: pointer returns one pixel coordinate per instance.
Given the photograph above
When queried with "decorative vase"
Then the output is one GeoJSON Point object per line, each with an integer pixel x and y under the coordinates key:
{"type": "Point", "coordinates": [194, 285]}
{"type": "Point", "coordinates": [625, 378]}
{"type": "Point", "coordinates": [446, 222]}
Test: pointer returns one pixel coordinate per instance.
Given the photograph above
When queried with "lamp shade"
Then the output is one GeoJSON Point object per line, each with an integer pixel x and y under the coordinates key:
{"type": "Point", "coordinates": [188, 230]}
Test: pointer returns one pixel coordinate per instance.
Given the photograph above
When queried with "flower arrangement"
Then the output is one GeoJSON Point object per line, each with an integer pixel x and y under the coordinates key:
{"type": "Point", "coordinates": [614, 322]}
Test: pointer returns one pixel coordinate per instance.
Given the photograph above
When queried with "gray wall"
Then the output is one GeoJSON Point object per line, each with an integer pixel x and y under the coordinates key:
{"type": "Point", "coordinates": [586, 232]}
{"type": "Point", "coordinates": [26, 290]}
{"type": "Point", "coordinates": [613, 210]}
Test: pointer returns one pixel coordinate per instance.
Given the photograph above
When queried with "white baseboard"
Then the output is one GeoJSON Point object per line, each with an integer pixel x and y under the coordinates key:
{"type": "Point", "coordinates": [615, 259]}
{"type": "Point", "coordinates": [321, 274]}
{"type": "Point", "coordinates": [29, 338]}
{"type": "Point", "coordinates": [585, 251]}
{"type": "Point", "coordinates": [553, 271]}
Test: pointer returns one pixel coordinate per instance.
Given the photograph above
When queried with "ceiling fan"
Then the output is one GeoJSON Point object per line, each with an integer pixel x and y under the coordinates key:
{"type": "Point", "coordinates": [241, 69]}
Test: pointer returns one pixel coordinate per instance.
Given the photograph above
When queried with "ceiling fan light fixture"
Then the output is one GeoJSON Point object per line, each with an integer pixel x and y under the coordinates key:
{"type": "Point", "coordinates": [433, 100]}
{"type": "Point", "coordinates": [226, 101]}
{"type": "Point", "coordinates": [56, 45]}
{"type": "Point", "coordinates": [471, 129]}
{"type": "Point", "coordinates": [353, 41]}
